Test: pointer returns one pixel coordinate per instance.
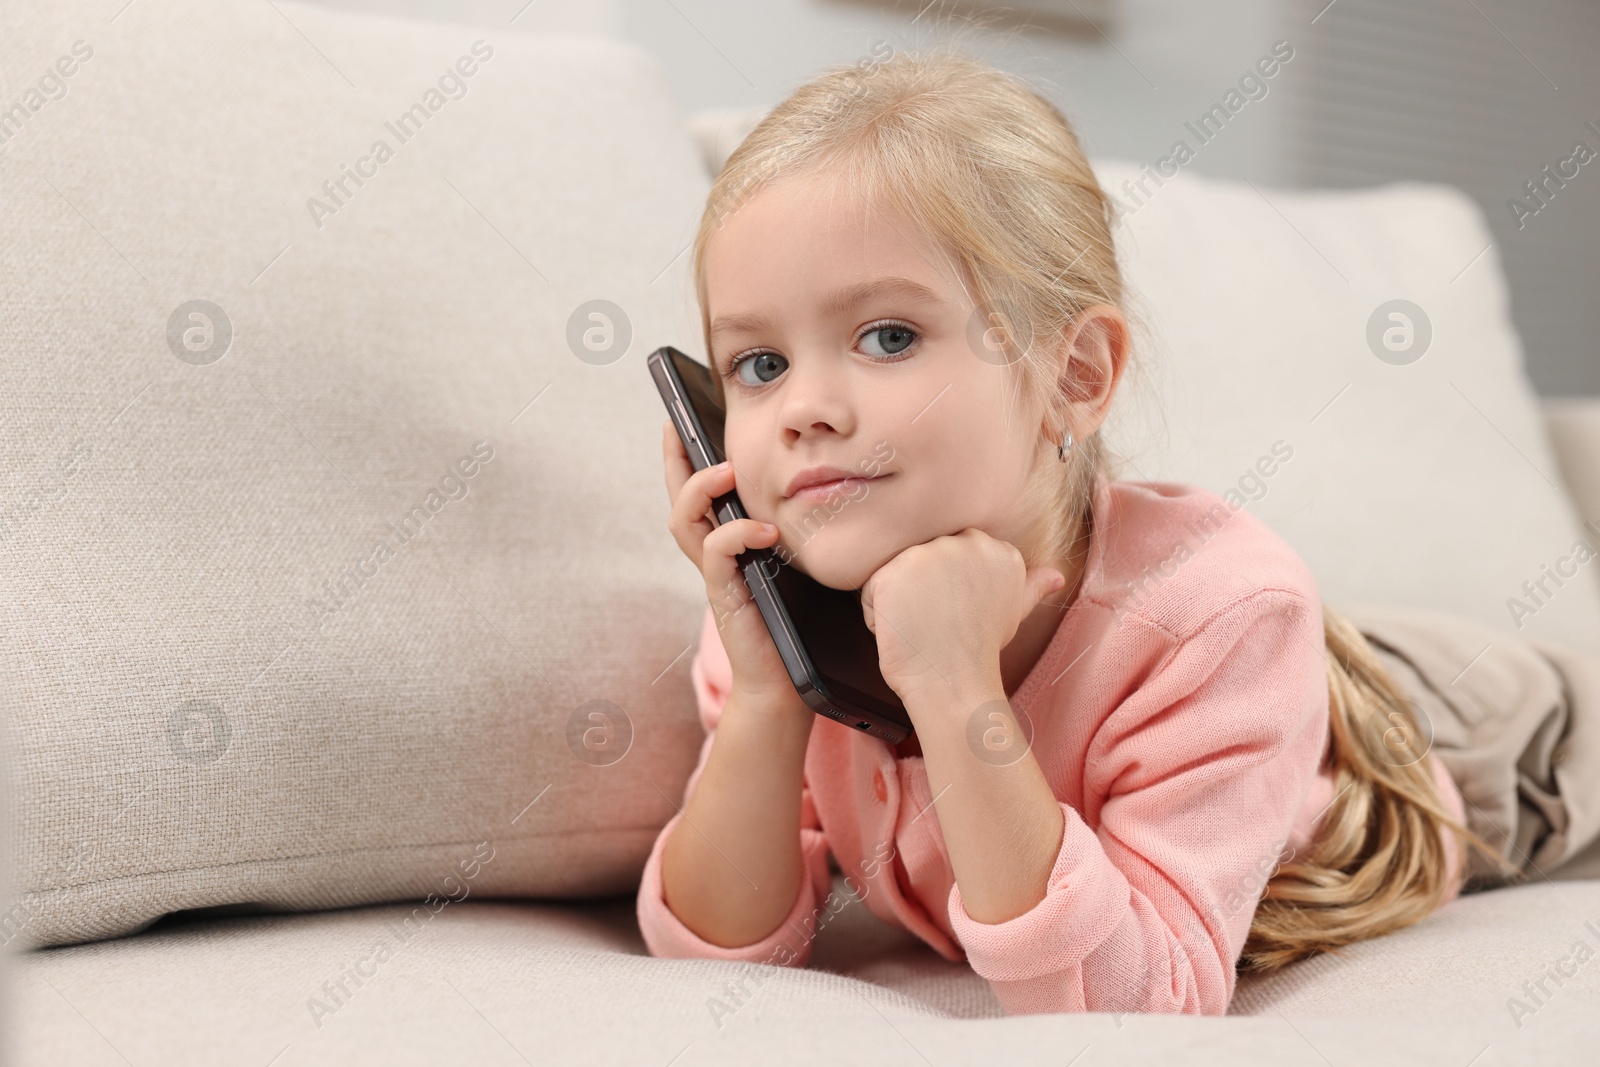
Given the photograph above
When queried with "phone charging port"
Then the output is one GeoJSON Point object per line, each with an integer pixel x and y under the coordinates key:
{"type": "Point", "coordinates": [863, 726]}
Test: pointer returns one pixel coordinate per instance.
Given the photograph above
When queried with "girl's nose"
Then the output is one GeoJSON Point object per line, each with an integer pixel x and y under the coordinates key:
{"type": "Point", "coordinates": [816, 397]}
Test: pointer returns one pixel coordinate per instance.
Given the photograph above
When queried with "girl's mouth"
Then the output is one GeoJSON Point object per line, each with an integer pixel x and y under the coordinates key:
{"type": "Point", "coordinates": [827, 490]}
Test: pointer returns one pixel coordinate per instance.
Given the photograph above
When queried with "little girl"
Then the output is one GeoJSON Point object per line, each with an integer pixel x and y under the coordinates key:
{"type": "Point", "coordinates": [1146, 755]}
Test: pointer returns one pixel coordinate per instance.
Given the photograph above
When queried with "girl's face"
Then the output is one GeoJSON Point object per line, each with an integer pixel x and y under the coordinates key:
{"type": "Point", "coordinates": [853, 345]}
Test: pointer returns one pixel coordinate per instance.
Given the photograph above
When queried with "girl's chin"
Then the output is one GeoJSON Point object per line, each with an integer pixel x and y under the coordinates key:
{"type": "Point", "coordinates": [834, 570]}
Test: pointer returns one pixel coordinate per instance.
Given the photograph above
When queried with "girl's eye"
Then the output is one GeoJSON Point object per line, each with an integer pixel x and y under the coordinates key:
{"type": "Point", "coordinates": [893, 338]}
{"type": "Point", "coordinates": [767, 365]}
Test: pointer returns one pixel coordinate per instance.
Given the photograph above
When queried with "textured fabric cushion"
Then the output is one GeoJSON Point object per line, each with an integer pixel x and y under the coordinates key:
{"type": "Point", "coordinates": [223, 690]}
{"type": "Point", "coordinates": [570, 984]}
{"type": "Point", "coordinates": [1421, 477]}
{"type": "Point", "coordinates": [1429, 483]}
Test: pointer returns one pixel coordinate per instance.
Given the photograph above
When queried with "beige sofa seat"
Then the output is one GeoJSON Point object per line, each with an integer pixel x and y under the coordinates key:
{"type": "Point", "coordinates": [481, 982]}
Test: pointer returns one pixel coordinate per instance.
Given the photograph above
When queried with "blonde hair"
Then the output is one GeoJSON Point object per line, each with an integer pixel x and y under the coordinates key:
{"type": "Point", "coordinates": [994, 171]}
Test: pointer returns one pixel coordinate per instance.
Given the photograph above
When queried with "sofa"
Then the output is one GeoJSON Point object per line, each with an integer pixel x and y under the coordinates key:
{"type": "Point", "coordinates": [347, 660]}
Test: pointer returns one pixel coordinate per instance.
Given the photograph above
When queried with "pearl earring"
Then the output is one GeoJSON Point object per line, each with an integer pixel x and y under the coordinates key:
{"type": "Point", "coordinates": [1064, 447]}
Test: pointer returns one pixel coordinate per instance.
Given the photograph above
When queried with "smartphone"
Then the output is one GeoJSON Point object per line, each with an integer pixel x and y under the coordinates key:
{"type": "Point", "coordinates": [820, 632]}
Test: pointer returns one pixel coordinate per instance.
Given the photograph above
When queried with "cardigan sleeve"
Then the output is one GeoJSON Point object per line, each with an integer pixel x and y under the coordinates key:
{"type": "Point", "coordinates": [1199, 772]}
{"type": "Point", "coordinates": [664, 934]}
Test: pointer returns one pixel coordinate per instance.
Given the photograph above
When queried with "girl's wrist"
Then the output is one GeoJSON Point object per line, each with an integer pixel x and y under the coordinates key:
{"type": "Point", "coordinates": [781, 710]}
{"type": "Point", "coordinates": [952, 698]}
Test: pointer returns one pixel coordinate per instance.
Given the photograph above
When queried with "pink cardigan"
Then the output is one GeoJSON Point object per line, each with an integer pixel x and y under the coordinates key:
{"type": "Point", "coordinates": [1180, 715]}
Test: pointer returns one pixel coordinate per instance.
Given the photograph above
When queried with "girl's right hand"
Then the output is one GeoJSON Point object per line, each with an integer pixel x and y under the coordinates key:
{"type": "Point", "coordinates": [759, 675]}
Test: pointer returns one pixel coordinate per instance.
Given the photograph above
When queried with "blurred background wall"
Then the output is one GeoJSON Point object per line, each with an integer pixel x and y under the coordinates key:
{"type": "Point", "coordinates": [1482, 94]}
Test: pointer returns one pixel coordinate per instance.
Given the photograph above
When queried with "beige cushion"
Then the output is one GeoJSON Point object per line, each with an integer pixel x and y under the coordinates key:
{"type": "Point", "coordinates": [189, 728]}
{"type": "Point", "coordinates": [570, 984]}
{"type": "Point", "coordinates": [1429, 483]}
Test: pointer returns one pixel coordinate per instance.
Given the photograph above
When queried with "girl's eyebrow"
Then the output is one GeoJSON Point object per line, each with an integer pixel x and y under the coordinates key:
{"type": "Point", "coordinates": [837, 302]}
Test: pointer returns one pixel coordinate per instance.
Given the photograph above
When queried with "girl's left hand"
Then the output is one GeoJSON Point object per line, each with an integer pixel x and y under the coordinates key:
{"type": "Point", "coordinates": [943, 610]}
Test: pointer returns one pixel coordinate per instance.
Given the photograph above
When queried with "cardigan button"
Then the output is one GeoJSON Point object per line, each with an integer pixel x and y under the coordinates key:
{"type": "Point", "coordinates": [879, 789]}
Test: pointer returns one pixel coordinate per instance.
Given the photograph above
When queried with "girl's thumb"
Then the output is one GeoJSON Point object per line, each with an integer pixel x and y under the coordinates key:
{"type": "Point", "coordinates": [1042, 581]}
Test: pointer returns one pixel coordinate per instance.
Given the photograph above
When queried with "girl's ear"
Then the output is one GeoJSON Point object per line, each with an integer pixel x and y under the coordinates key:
{"type": "Point", "coordinates": [1094, 352]}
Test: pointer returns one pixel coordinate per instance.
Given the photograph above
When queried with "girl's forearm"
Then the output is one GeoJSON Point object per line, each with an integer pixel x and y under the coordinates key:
{"type": "Point", "coordinates": [732, 867]}
{"type": "Point", "coordinates": [1001, 824]}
